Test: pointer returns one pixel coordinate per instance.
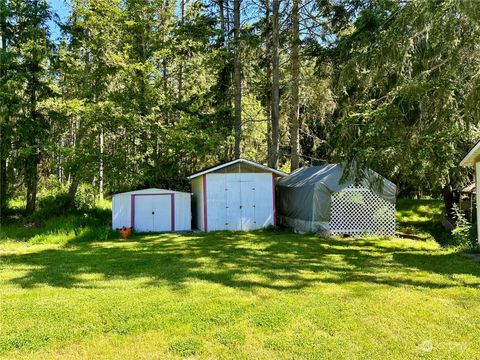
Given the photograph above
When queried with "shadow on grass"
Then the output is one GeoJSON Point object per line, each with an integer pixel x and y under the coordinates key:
{"type": "Point", "coordinates": [271, 260]}
{"type": "Point", "coordinates": [422, 218]}
{"type": "Point", "coordinates": [94, 223]}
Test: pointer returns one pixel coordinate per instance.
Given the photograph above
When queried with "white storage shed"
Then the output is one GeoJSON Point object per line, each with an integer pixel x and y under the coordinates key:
{"type": "Point", "coordinates": [238, 195]}
{"type": "Point", "coordinates": [152, 210]}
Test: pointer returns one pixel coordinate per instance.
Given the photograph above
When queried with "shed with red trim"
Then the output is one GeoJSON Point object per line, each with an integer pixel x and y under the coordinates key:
{"type": "Point", "coordinates": [237, 195]}
{"type": "Point", "coordinates": [152, 210]}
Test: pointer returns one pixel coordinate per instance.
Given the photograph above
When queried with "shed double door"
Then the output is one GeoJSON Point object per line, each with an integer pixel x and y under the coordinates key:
{"type": "Point", "coordinates": [240, 203]}
{"type": "Point", "coordinates": [153, 213]}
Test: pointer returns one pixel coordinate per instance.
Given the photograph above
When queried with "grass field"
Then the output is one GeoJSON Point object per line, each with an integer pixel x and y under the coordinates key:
{"type": "Point", "coordinates": [82, 294]}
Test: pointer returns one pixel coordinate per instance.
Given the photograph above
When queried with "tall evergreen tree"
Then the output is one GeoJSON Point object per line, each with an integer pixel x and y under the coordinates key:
{"type": "Point", "coordinates": [5, 100]}
{"type": "Point", "coordinates": [409, 92]}
{"type": "Point", "coordinates": [32, 49]}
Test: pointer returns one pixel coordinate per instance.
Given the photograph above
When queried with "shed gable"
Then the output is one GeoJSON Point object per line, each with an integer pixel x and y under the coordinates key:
{"type": "Point", "coordinates": [240, 167]}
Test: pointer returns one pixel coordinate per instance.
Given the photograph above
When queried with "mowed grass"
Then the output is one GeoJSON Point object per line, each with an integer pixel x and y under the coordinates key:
{"type": "Point", "coordinates": [267, 294]}
{"type": "Point", "coordinates": [422, 219]}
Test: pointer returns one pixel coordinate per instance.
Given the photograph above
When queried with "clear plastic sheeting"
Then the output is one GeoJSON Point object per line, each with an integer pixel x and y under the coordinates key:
{"type": "Point", "coordinates": [305, 201]}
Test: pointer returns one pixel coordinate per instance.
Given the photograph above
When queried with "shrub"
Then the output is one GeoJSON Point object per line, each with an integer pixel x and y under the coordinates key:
{"type": "Point", "coordinates": [85, 198]}
{"type": "Point", "coordinates": [462, 234]}
{"type": "Point", "coordinates": [52, 198]}
{"type": "Point", "coordinates": [51, 187]}
{"type": "Point", "coordinates": [52, 205]}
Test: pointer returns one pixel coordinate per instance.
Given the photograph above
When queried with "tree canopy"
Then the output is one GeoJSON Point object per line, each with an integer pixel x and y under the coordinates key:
{"type": "Point", "coordinates": [139, 93]}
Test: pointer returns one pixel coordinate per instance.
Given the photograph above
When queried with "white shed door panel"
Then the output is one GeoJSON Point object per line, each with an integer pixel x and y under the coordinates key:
{"type": "Point", "coordinates": [153, 213]}
{"type": "Point", "coordinates": [143, 214]}
{"type": "Point", "coordinates": [262, 198]}
{"type": "Point", "coordinates": [233, 210]}
{"type": "Point", "coordinates": [162, 208]}
{"type": "Point", "coordinates": [216, 202]}
{"type": "Point", "coordinates": [239, 201]}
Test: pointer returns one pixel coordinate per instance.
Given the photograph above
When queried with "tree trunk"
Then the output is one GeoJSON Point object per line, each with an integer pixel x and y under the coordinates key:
{"type": "Point", "coordinates": [448, 199]}
{"type": "Point", "coordinates": [72, 191]}
{"type": "Point", "coordinates": [3, 183]}
{"type": "Point", "coordinates": [228, 23]}
{"type": "Point", "coordinates": [268, 75]}
{"type": "Point", "coordinates": [60, 162]}
{"type": "Point", "coordinates": [180, 70]}
{"type": "Point", "coordinates": [33, 158]}
{"type": "Point", "coordinates": [273, 158]}
{"type": "Point", "coordinates": [295, 114]}
{"type": "Point", "coordinates": [165, 88]}
{"type": "Point", "coordinates": [31, 181]}
{"type": "Point", "coordinates": [100, 170]}
{"type": "Point", "coordinates": [222, 21]}
{"type": "Point", "coordinates": [4, 139]}
{"type": "Point", "coordinates": [237, 79]}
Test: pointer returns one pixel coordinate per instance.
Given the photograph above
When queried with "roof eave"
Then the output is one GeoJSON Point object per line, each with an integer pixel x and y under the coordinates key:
{"type": "Point", "coordinates": [472, 156]}
{"type": "Point", "coordinates": [252, 163]}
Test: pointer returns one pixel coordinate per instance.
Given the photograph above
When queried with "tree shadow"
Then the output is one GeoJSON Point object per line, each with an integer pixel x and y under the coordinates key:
{"type": "Point", "coordinates": [270, 260]}
{"type": "Point", "coordinates": [422, 218]}
{"type": "Point", "coordinates": [94, 221]}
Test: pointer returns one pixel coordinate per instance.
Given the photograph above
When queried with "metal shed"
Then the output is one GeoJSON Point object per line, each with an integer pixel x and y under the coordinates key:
{"type": "Point", "coordinates": [237, 195]}
{"type": "Point", "coordinates": [152, 210]}
{"type": "Point", "coordinates": [318, 199]}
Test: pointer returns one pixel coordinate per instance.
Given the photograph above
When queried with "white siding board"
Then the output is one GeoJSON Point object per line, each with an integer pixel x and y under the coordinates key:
{"type": "Point", "coordinates": [264, 207]}
{"type": "Point", "coordinates": [183, 217]}
{"type": "Point", "coordinates": [216, 201]}
{"type": "Point", "coordinates": [121, 211]}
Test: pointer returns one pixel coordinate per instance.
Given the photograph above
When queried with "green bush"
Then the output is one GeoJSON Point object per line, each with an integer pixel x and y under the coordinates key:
{"type": "Point", "coordinates": [51, 187]}
{"type": "Point", "coordinates": [53, 201]}
{"type": "Point", "coordinates": [52, 198]}
{"type": "Point", "coordinates": [85, 197]}
{"type": "Point", "coordinates": [53, 205]}
{"type": "Point", "coordinates": [462, 234]}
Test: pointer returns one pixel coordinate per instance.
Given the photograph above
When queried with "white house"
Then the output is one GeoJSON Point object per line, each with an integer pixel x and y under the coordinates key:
{"type": "Point", "coordinates": [152, 210]}
{"type": "Point", "coordinates": [237, 195]}
{"type": "Point", "coordinates": [472, 159]}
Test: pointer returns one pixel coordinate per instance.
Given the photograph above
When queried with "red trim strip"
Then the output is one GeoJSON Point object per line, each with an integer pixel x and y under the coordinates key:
{"type": "Point", "coordinates": [205, 222]}
{"type": "Point", "coordinates": [172, 208]}
{"type": "Point", "coordinates": [274, 201]}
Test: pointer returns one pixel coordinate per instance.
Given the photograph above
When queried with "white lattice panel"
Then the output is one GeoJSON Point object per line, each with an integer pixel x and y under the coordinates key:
{"type": "Point", "coordinates": [357, 210]}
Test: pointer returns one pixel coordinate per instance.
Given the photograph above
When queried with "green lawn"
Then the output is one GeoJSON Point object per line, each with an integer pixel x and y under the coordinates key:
{"type": "Point", "coordinates": [422, 218]}
{"type": "Point", "coordinates": [236, 295]}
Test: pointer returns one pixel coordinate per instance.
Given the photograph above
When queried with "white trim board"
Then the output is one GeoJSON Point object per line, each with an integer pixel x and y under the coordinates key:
{"type": "Point", "coordinates": [469, 159]}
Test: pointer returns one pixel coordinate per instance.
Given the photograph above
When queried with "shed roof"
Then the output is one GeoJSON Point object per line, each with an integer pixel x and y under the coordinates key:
{"type": "Point", "coordinates": [150, 191]}
{"type": "Point", "coordinates": [329, 178]}
{"type": "Point", "coordinates": [241, 160]}
{"type": "Point", "coordinates": [472, 156]}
